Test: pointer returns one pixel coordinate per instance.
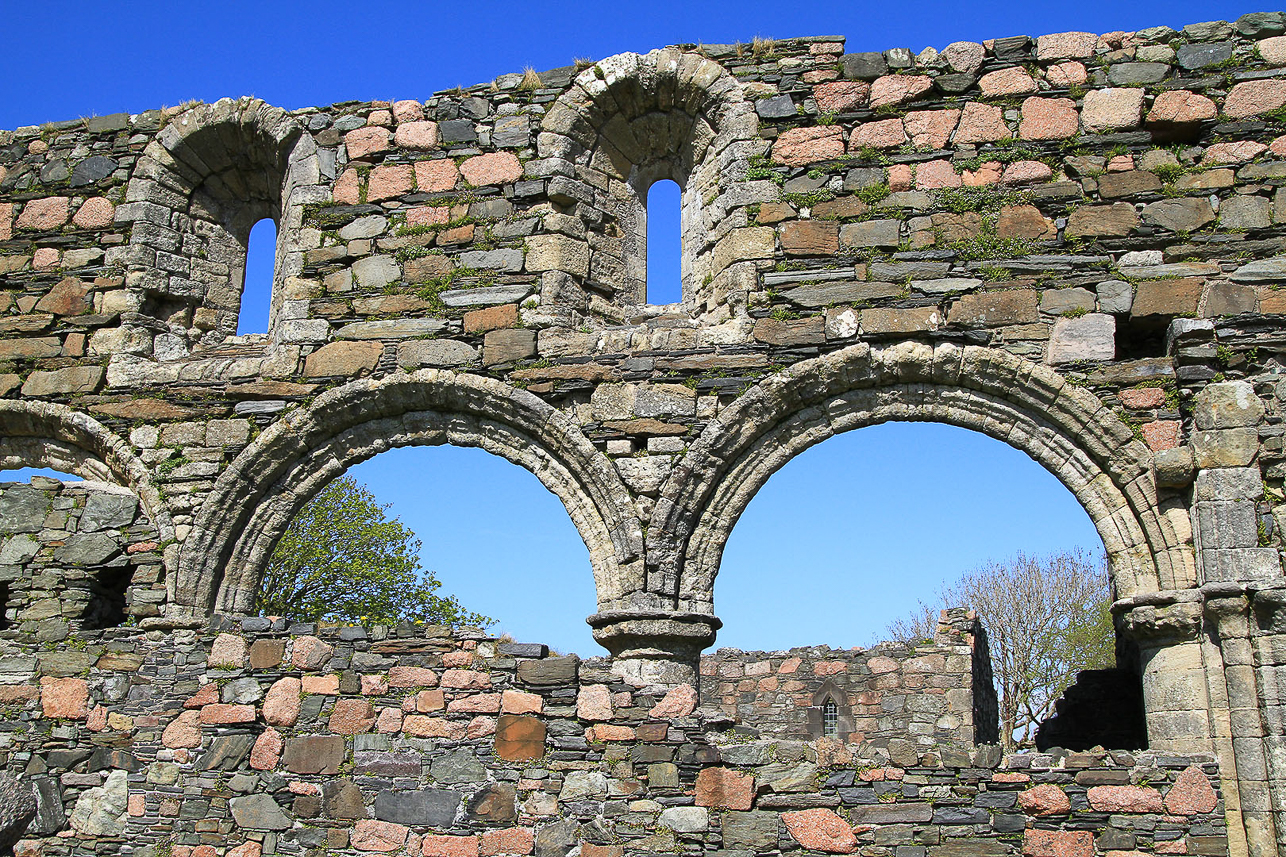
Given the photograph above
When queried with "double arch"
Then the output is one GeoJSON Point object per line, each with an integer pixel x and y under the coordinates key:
{"type": "Point", "coordinates": [256, 498]}
{"type": "Point", "coordinates": [47, 434]}
{"type": "Point", "coordinates": [1030, 407]}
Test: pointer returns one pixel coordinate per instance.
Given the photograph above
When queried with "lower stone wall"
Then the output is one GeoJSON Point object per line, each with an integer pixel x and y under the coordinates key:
{"type": "Point", "coordinates": [896, 700]}
{"type": "Point", "coordinates": [253, 738]}
{"type": "Point", "coordinates": [75, 555]}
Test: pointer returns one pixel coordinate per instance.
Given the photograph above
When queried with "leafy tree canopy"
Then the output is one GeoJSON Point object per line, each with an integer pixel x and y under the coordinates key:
{"type": "Point", "coordinates": [1047, 618]}
{"type": "Point", "coordinates": [342, 559]}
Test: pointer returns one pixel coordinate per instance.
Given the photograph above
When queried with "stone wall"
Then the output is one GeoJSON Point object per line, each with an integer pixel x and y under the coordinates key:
{"type": "Point", "coordinates": [75, 555]}
{"type": "Point", "coordinates": [899, 698]}
{"type": "Point", "coordinates": [253, 738]}
{"type": "Point", "coordinates": [1072, 243]}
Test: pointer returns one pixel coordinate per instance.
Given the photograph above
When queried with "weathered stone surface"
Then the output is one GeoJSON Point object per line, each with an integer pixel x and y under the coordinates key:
{"type": "Point", "coordinates": [1230, 404]}
{"type": "Point", "coordinates": [519, 737]}
{"type": "Point", "coordinates": [1089, 337]}
{"type": "Point", "coordinates": [315, 754]}
{"type": "Point", "coordinates": [1166, 297]}
{"type": "Point", "coordinates": [1102, 221]}
{"type": "Point", "coordinates": [100, 811]}
{"type": "Point", "coordinates": [725, 788]}
{"type": "Point", "coordinates": [427, 807]}
{"type": "Point", "coordinates": [1191, 794]}
{"type": "Point", "coordinates": [343, 359]}
{"type": "Point", "coordinates": [820, 830]}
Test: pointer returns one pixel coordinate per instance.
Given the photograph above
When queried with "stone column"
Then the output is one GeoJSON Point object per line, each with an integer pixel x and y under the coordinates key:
{"type": "Point", "coordinates": [655, 648]}
{"type": "Point", "coordinates": [1227, 608]}
{"type": "Point", "coordinates": [1166, 626]}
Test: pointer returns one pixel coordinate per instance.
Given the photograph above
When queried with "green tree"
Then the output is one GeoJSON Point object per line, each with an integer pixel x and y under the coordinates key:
{"type": "Point", "coordinates": [1047, 618]}
{"type": "Point", "coordinates": [343, 560]}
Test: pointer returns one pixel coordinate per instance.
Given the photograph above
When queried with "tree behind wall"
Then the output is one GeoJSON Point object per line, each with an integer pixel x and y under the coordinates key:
{"type": "Point", "coordinates": [1047, 618]}
{"type": "Point", "coordinates": [343, 560]}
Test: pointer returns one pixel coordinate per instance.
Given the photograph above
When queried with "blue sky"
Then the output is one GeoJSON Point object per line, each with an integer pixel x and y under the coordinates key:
{"type": "Point", "coordinates": [846, 537]}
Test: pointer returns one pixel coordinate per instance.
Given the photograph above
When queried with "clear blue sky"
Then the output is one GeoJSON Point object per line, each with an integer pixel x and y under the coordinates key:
{"type": "Point", "coordinates": [846, 537]}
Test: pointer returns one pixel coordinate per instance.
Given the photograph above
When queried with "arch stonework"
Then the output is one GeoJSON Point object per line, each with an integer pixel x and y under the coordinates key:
{"type": "Point", "coordinates": [863, 241]}
{"type": "Point", "coordinates": [258, 495]}
{"type": "Point", "coordinates": [1023, 404]}
{"type": "Point", "coordinates": [45, 434]}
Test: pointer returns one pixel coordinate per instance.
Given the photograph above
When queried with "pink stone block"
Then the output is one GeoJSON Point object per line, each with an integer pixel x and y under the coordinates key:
{"type": "Point", "coordinates": [1006, 81]}
{"type": "Point", "coordinates": [402, 676]}
{"type": "Point", "coordinates": [883, 134]}
{"type": "Point", "coordinates": [347, 189]}
{"type": "Point", "coordinates": [183, 731]}
{"type": "Point", "coordinates": [310, 653]}
{"type": "Point", "coordinates": [428, 215]}
{"type": "Point", "coordinates": [594, 702]}
{"type": "Point", "coordinates": [1066, 74]}
{"type": "Point", "coordinates": [389, 721]}
{"type": "Point", "coordinates": [1273, 50]}
{"type": "Point", "coordinates": [95, 213]}
{"type": "Point", "coordinates": [1252, 97]}
{"type": "Point", "coordinates": [416, 135]}
{"type": "Point", "coordinates": [841, 96]}
{"type": "Point", "coordinates": [1059, 46]}
{"type": "Point", "coordinates": [1026, 172]}
{"type": "Point", "coordinates": [388, 181]}
{"type": "Point", "coordinates": [64, 698]}
{"type": "Point", "coordinates": [267, 750]}
{"type": "Point", "coordinates": [1179, 106]}
{"type": "Point", "coordinates": [820, 830]}
{"type": "Point", "coordinates": [799, 147]}
{"type": "Point", "coordinates": [371, 835]}
{"type": "Point", "coordinates": [46, 213]}
{"type": "Point", "coordinates": [222, 713]}
{"type": "Point", "coordinates": [281, 704]}
{"type": "Point", "coordinates": [931, 129]}
{"type": "Point", "coordinates": [407, 111]}
{"type": "Point", "coordinates": [436, 175]}
{"type": "Point", "coordinates": [228, 652]}
{"type": "Point", "coordinates": [6, 221]}
{"type": "Point", "coordinates": [466, 680]}
{"type": "Point", "coordinates": [481, 727]}
{"type": "Point", "coordinates": [475, 703]}
{"type": "Point", "coordinates": [1048, 119]}
{"type": "Point", "coordinates": [521, 702]}
{"type": "Point", "coordinates": [352, 717]}
{"type": "Point", "coordinates": [981, 123]}
{"type": "Point", "coordinates": [1112, 109]}
{"type": "Point", "coordinates": [679, 702]}
{"type": "Point", "coordinates": [365, 141]}
{"type": "Point", "coordinates": [44, 259]}
{"type": "Point", "coordinates": [1232, 153]}
{"type": "Point", "coordinates": [323, 685]}
{"type": "Point", "coordinates": [1161, 434]}
{"type": "Point", "coordinates": [895, 89]}
{"type": "Point", "coordinates": [493, 168]}
{"type": "Point", "coordinates": [936, 174]}
{"type": "Point", "coordinates": [901, 177]}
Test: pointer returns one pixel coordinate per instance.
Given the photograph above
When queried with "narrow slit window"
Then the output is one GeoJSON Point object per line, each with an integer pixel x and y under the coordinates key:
{"type": "Point", "coordinates": [256, 293]}
{"type": "Point", "coordinates": [664, 247]}
{"type": "Point", "coordinates": [830, 719]}
{"type": "Point", "coordinates": [4, 606]}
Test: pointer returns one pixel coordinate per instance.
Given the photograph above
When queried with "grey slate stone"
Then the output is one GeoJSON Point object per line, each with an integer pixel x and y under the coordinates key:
{"type": "Point", "coordinates": [1201, 55]}
{"type": "Point", "coordinates": [397, 328]}
{"type": "Point", "coordinates": [105, 511]}
{"type": "Point", "coordinates": [23, 509]}
{"type": "Point", "coordinates": [458, 766]}
{"type": "Point", "coordinates": [1134, 73]}
{"type": "Point", "coordinates": [87, 549]}
{"type": "Point", "coordinates": [1115, 296]}
{"type": "Point", "coordinates": [777, 107]}
{"type": "Point", "coordinates": [867, 65]}
{"type": "Point", "coordinates": [556, 840]}
{"type": "Point", "coordinates": [486, 295]}
{"type": "Point", "coordinates": [753, 831]}
{"type": "Point", "coordinates": [548, 671]}
{"type": "Point", "coordinates": [427, 807]}
{"type": "Point", "coordinates": [259, 812]}
{"type": "Point", "coordinates": [226, 752]}
{"type": "Point", "coordinates": [457, 131]}
{"type": "Point", "coordinates": [1259, 25]}
{"type": "Point", "coordinates": [91, 170]}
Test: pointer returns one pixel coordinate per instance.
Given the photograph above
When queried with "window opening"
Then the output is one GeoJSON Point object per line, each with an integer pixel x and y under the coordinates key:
{"type": "Point", "coordinates": [256, 292]}
{"type": "Point", "coordinates": [24, 474]}
{"type": "Point", "coordinates": [4, 606]}
{"type": "Point", "coordinates": [106, 607]}
{"type": "Point", "coordinates": [664, 243]}
{"type": "Point", "coordinates": [830, 718]}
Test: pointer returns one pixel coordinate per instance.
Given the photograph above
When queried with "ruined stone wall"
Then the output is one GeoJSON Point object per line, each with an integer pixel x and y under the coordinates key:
{"type": "Point", "coordinates": [1072, 243]}
{"type": "Point", "coordinates": [76, 555]}
{"type": "Point", "coordinates": [254, 738]}
{"type": "Point", "coordinates": [900, 698]}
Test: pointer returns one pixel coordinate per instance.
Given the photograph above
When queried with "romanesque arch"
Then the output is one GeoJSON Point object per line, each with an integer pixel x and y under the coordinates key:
{"type": "Point", "coordinates": [45, 434]}
{"type": "Point", "coordinates": [1023, 404]}
{"type": "Point", "coordinates": [211, 173]}
{"type": "Point", "coordinates": [259, 494]}
{"type": "Point", "coordinates": [630, 120]}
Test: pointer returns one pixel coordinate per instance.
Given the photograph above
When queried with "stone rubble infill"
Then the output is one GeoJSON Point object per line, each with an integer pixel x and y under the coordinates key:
{"type": "Point", "coordinates": [254, 737]}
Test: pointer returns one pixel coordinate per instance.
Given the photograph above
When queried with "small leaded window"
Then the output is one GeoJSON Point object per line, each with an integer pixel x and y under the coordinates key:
{"type": "Point", "coordinates": [830, 718]}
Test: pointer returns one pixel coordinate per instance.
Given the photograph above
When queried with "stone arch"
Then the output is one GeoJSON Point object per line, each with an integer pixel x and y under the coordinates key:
{"type": "Point", "coordinates": [45, 434]}
{"type": "Point", "coordinates": [261, 491]}
{"type": "Point", "coordinates": [210, 174]}
{"type": "Point", "coordinates": [631, 120]}
{"type": "Point", "coordinates": [1026, 405]}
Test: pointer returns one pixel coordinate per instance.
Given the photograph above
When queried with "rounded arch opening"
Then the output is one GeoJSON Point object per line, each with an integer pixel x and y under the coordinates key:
{"type": "Point", "coordinates": [630, 121]}
{"type": "Point", "coordinates": [262, 491]}
{"type": "Point", "coordinates": [489, 532]}
{"type": "Point", "coordinates": [1067, 430]}
{"type": "Point", "coordinates": [854, 532]}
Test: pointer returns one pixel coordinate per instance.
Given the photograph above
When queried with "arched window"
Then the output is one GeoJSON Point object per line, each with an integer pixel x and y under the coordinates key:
{"type": "Point", "coordinates": [256, 293]}
{"type": "Point", "coordinates": [664, 248]}
{"type": "Point", "coordinates": [830, 718]}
